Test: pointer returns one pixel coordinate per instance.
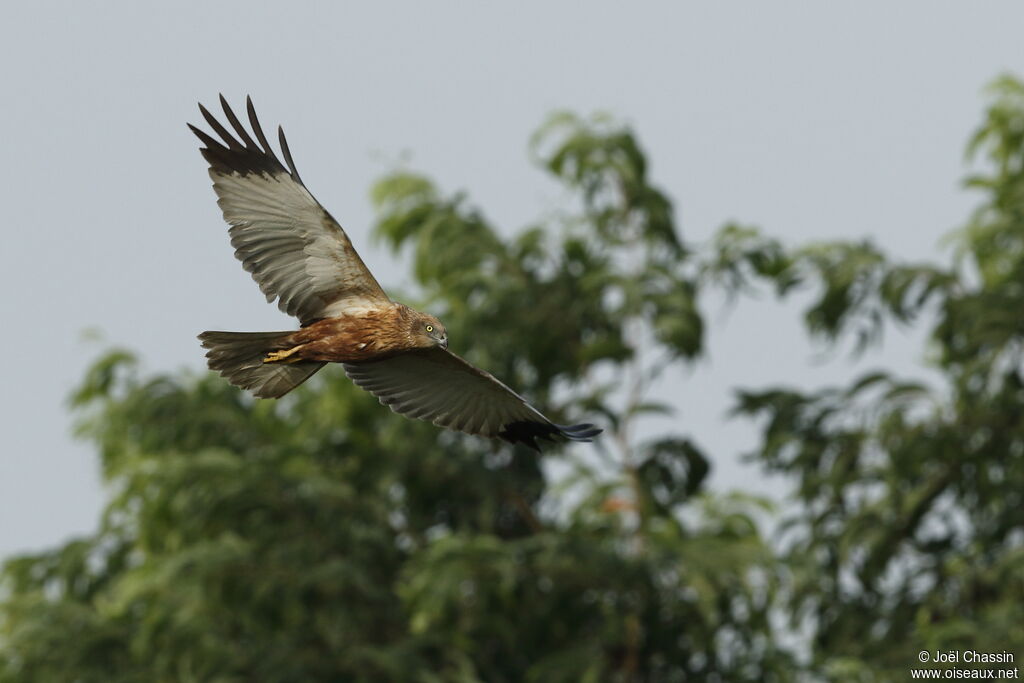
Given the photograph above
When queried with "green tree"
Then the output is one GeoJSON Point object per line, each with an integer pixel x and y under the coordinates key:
{"type": "Point", "coordinates": [909, 533]}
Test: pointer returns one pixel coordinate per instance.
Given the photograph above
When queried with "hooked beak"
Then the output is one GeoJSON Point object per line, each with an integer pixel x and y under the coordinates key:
{"type": "Point", "coordinates": [443, 343]}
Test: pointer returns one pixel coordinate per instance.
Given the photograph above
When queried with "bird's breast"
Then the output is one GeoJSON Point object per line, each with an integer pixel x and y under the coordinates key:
{"type": "Point", "coordinates": [366, 336]}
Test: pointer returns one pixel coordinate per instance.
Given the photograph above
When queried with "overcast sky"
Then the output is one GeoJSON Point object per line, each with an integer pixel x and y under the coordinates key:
{"type": "Point", "coordinates": [813, 121]}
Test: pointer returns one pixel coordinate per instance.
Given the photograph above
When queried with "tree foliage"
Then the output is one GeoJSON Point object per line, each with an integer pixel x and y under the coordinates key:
{"type": "Point", "coordinates": [321, 537]}
{"type": "Point", "coordinates": [909, 533]}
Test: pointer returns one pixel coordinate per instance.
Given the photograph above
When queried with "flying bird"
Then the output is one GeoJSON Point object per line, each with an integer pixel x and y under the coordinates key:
{"type": "Point", "coordinates": [298, 254]}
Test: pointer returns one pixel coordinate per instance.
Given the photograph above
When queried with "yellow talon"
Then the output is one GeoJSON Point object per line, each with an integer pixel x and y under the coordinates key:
{"type": "Point", "coordinates": [282, 356]}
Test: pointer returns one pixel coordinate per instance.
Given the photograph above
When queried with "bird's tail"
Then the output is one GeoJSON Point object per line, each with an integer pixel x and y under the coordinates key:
{"type": "Point", "coordinates": [240, 356]}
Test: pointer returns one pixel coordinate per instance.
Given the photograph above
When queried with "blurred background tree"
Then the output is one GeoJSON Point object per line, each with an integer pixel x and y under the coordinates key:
{"type": "Point", "coordinates": [909, 532]}
{"type": "Point", "coordinates": [321, 537]}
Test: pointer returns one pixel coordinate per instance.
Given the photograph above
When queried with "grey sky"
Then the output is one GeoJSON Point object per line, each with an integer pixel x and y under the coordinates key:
{"type": "Point", "coordinates": [814, 121]}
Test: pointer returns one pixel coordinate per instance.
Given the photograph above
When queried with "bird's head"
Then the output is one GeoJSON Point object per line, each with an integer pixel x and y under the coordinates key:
{"type": "Point", "coordinates": [428, 331]}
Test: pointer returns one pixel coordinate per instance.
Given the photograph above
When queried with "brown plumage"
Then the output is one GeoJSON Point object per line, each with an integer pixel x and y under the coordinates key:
{"type": "Point", "coordinates": [299, 255]}
{"type": "Point", "coordinates": [373, 334]}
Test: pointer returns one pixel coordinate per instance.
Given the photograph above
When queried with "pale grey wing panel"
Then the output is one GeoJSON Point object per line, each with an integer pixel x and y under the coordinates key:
{"type": "Point", "coordinates": [440, 387]}
{"type": "Point", "coordinates": [294, 249]}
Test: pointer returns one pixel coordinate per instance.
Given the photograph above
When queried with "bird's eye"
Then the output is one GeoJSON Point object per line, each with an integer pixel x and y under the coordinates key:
{"type": "Point", "coordinates": [430, 328]}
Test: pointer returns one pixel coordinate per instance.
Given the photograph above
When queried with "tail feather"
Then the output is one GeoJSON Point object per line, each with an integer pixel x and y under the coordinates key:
{"type": "Point", "coordinates": [238, 356]}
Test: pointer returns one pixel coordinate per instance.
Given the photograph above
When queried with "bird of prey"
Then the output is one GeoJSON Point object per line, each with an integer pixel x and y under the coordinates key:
{"type": "Point", "coordinates": [298, 254]}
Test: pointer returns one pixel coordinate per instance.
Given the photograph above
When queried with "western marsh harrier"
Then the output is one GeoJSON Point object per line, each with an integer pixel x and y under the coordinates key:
{"type": "Point", "coordinates": [299, 255]}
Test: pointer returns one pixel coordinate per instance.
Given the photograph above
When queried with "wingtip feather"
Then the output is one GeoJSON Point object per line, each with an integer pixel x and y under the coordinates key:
{"type": "Point", "coordinates": [527, 432]}
{"type": "Point", "coordinates": [240, 154]}
{"type": "Point", "coordinates": [579, 432]}
{"type": "Point", "coordinates": [287, 153]}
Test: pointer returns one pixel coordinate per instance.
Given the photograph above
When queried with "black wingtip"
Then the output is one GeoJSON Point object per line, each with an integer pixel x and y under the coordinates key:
{"type": "Point", "coordinates": [220, 130]}
{"type": "Point", "coordinates": [527, 433]}
{"type": "Point", "coordinates": [240, 130]}
{"type": "Point", "coordinates": [238, 152]}
{"type": "Point", "coordinates": [258, 130]}
{"type": "Point", "coordinates": [204, 137]}
{"type": "Point", "coordinates": [287, 153]}
{"type": "Point", "coordinates": [580, 432]}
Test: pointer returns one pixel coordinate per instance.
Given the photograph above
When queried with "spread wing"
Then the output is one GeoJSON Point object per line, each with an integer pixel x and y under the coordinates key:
{"type": "Point", "coordinates": [294, 249]}
{"type": "Point", "coordinates": [440, 387]}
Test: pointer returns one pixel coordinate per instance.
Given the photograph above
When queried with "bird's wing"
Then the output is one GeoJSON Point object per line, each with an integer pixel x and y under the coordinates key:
{"type": "Point", "coordinates": [438, 386]}
{"type": "Point", "coordinates": [294, 249]}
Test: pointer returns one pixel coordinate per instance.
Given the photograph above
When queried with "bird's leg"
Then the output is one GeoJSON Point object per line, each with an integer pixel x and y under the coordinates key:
{"type": "Point", "coordinates": [283, 356]}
